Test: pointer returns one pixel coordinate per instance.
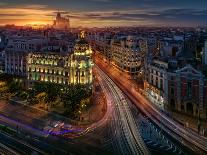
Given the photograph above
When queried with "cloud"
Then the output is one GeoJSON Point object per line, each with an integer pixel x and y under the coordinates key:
{"type": "Point", "coordinates": [184, 17]}
{"type": "Point", "coordinates": [105, 1]}
{"type": "Point", "coordinates": [2, 3]}
{"type": "Point", "coordinates": [35, 6]}
{"type": "Point", "coordinates": [137, 16]}
{"type": "Point", "coordinates": [34, 11]}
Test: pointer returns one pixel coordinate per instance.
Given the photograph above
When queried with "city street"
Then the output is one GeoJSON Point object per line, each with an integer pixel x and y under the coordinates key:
{"type": "Point", "coordinates": [43, 139]}
{"type": "Point", "coordinates": [103, 77]}
{"type": "Point", "coordinates": [166, 123]}
{"type": "Point", "coordinates": [125, 137]}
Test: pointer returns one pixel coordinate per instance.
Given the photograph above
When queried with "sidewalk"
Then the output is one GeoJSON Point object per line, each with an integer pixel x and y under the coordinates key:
{"type": "Point", "coordinates": [97, 111]}
{"type": "Point", "coordinates": [191, 122]}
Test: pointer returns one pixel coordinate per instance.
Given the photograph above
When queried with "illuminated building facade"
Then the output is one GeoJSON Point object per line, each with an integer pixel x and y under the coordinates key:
{"type": "Point", "coordinates": [61, 23]}
{"type": "Point", "coordinates": [127, 53]}
{"type": "Point", "coordinates": [75, 68]}
{"type": "Point", "coordinates": [48, 67]}
{"type": "Point", "coordinates": [81, 62]}
{"type": "Point", "coordinates": [178, 89]}
{"type": "Point", "coordinates": [155, 82]}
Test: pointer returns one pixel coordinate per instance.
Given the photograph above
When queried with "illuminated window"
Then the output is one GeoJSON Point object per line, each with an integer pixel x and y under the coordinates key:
{"type": "Point", "coordinates": [83, 73]}
{"type": "Point", "coordinates": [46, 78]}
{"type": "Point", "coordinates": [42, 78]}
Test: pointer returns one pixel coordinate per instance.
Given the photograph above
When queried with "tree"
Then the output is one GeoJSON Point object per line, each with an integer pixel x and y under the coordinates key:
{"type": "Point", "coordinates": [3, 89]}
{"type": "Point", "coordinates": [41, 97]}
{"type": "Point", "coordinates": [15, 86]}
{"type": "Point", "coordinates": [24, 95]}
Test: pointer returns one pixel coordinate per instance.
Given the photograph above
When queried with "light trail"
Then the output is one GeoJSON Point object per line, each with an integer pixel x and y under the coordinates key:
{"type": "Point", "coordinates": [167, 124]}
{"type": "Point", "coordinates": [125, 123]}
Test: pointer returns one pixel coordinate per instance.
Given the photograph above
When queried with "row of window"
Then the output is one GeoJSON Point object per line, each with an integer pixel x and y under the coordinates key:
{"type": "Point", "coordinates": [156, 82]}
{"type": "Point", "coordinates": [156, 72]}
{"type": "Point", "coordinates": [56, 79]}
{"type": "Point", "coordinates": [43, 62]}
{"type": "Point", "coordinates": [49, 71]}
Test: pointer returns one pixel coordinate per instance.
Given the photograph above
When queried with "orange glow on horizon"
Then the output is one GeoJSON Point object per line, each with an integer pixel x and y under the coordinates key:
{"type": "Point", "coordinates": [18, 22]}
{"type": "Point", "coordinates": [37, 23]}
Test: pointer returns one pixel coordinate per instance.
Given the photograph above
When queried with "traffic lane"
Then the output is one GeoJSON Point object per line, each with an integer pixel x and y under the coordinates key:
{"type": "Point", "coordinates": [128, 124]}
{"type": "Point", "coordinates": [18, 145]}
{"type": "Point", "coordinates": [126, 85]}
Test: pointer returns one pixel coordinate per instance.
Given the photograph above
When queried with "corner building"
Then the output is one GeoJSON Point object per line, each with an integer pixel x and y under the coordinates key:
{"type": "Point", "coordinates": [61, 68]}
{"type": "Point", "coordinates": [48, 67]}
{"type": "Point", "coordinates": [81, 63]}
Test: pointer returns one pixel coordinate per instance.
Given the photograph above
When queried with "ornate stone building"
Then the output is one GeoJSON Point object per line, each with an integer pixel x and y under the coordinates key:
{"type": "Point", "coordinates": [179, 89]}
{"type": "Point", "coordinates": [61, 23]}
{"type": "Point", "coordinates": [62, 68]}
{"type": "Point", "coordinates": [48, 67]}
{"type": "Point", "coordinates": [155, 82]}
{"type": "Point", "coordinates": [127, 53]}
{"type": "Point", "coordinates": [81, 62]}
{"type": "Point", "coordinates": [187, 89]}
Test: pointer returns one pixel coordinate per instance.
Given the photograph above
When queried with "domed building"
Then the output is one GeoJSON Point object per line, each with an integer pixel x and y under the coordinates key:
{"type": "Point", "coordinates": [81, 62]}
{"type": "Point", "coordinates": [62, 68]}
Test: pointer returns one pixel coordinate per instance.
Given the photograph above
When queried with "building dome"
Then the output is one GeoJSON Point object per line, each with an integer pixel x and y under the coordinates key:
{"type": "Point", "coordinates": [82, 47]}
{"type": "Point", "coordinates": [82, 42]}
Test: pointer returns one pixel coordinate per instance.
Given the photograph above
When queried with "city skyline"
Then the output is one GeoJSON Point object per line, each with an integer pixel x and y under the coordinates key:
{"type": "Point", "coordinates": [100, 13]}
{"type": "Point", "coordinates": [135, 86]}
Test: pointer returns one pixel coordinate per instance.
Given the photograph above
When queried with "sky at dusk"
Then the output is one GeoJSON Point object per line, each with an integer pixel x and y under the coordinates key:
{"type": "Point", "coordinates": [93, 13]}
